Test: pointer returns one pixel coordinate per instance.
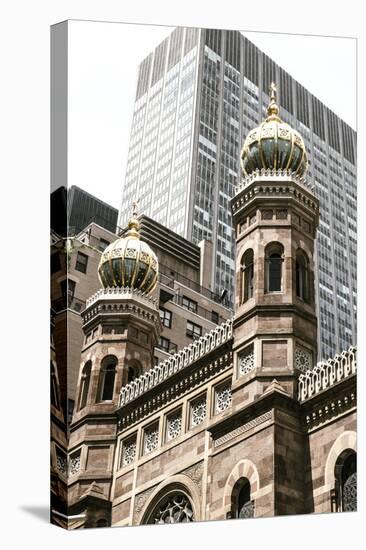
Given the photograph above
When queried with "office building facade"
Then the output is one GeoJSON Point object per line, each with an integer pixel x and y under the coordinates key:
{"type": "Point", "coordinates": [198, 95]}
{"type": "Point", "coordinates": [84, 208]}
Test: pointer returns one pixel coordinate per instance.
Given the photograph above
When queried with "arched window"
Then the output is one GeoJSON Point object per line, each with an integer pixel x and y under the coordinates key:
{"type": "Point", "coordinates": [247, 266]}
{"type": "Point", "coordinates": [346, 481]}
{"type": "Point", "coordinates": [84, 384]}
{"type": "Point", "coordinates": [176, 507]}
{"type": "Point", "coordinates": [107, 376]}
{"type": "Point", "coordinates": [302, 275]}
{"type": "Point", "coordinates": [134, 370]}
{"type": "Point", "coordinates": [274, 260]}
{"type": "Point", "coordinates": [241, 504]}
{"type": "Point", "coordinates": [54, 390]}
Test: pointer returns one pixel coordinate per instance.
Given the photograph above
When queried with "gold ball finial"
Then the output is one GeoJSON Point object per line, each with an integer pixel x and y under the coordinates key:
{"type": "Point", "coordinates": [273, 109]}
{"type": "Point", "coordinates": [133, 223]}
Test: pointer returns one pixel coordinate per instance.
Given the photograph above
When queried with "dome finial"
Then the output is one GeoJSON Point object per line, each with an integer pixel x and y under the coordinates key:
{"type": "Point", "coordinates": [273, 109]}
{"type": "Point", "coordinates": [133, 223]}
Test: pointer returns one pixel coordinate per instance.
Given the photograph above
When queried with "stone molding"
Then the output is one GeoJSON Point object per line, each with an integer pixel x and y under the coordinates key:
{"type": "Point", "coordinates": [178, 388]}
{"type": "Point", "coordinates": [326, 375]}
{"type": "Point", "coordinates": [329, 410]}
{"type": "Point", "coordinates": [244, 428]}
{"type": "Point", "coordinates": [244, 468]}
{"type": "Point", "coordinates": [121, 292]}
{"type": "Point", "coordinates": [185, 357]}
{"type": "Point", "coordinates": [346, 440]}
{"type": "Point", "coordinates": [281, 188]}
{"type": "Point", "coordinates": [119, 301]}
{"type": "Point", "coordinates": [195, 473]}
{"type": "Point", "coordinates": [267, 174]}
{"type": "Point", "coordinates": [145, 501]}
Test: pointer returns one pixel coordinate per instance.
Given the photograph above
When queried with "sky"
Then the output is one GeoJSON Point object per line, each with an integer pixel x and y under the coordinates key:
{"type": "Point", "coordinates": [102, 78]}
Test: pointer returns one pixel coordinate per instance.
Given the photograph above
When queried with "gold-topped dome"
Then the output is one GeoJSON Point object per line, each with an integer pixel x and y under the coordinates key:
{"type": "Point", "coordinates": [273, 144]}
{"type": "Point", "coordinates": [129, 261]}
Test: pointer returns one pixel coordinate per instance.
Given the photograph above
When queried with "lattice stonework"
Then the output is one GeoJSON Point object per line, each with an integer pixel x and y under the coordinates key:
{"type": "Point", "coordinates": [223, 398]}
{"type": "Point", "coordinates": [151, 439]}
{"type": "Point", "coordinates": [247, 510]}
{"type": "Point", "coordinates": [303, 359]}
{"type": "Point", "coordinates": [198, 411]}
{"type": "Point", "coordinates": [61, 463]}
{"type": "Point", "coordinates": [246, 360]}
{"type": "Point", "coordinates": [177, 509]}
{"type": "Point", "coordinates": [74, 463]}
{"type": "Point", "coordinates": [174, 425]}
{"type": "Point", "coordinates": [128, 451]}
{"type": "Point", "coordinates": [350, 493]}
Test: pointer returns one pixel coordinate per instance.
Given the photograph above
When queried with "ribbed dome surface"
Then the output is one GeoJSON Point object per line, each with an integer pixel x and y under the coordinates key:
{"type": "Point", "coordinates": [274, 145]}
{"type": "Point", "coordinates": [129, 262]}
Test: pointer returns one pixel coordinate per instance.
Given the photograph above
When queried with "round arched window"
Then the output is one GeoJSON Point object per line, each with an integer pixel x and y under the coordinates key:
{"type": "Point", "coordinates": [247, 266]}
{"type": "Point", "coordinates": [176, 507]}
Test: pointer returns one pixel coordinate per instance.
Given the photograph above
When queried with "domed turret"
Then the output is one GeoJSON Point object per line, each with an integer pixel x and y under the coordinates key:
{"type": "Point", "coordinates": [273, 145]}
{"type": "Point", "coordinates": [129, 261]}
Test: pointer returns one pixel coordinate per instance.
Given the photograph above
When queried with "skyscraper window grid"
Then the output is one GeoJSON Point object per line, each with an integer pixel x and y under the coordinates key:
{"type": "Point", "coordinates": [185, 180]}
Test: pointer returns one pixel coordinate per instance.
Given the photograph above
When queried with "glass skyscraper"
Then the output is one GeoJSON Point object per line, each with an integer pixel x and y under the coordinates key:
{"type": "Point", "coordinates": [198, 95]}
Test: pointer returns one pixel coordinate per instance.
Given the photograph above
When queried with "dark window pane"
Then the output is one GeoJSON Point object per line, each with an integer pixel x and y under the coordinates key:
{"type": "Point", "coordinates": [274, 274]}
{"type": "Point", "coordinates": [55, 262]}
{"type": "Point", "coordinates": [108, 385]}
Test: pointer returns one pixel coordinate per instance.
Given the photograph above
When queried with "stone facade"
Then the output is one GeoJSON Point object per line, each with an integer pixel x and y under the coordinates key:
{"type": "Point", "coordinates": [240, 423]}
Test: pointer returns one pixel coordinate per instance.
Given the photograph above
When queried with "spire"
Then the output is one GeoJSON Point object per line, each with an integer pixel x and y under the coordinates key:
{"type": "Point", "coordinates": [133, 222]}
{"type": "Point", "coordinates": [273, 109]}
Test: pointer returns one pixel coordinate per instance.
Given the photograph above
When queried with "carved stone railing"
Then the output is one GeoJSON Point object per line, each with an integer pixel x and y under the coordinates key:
{"type": "Point", "coordinates": [185, 357]}
{"type": "Point", "coordinates": [268, 173]}
{"type": "Point", "coordinates": [325, 375]}
{"type": "Point", "coordinates": [120, 292]}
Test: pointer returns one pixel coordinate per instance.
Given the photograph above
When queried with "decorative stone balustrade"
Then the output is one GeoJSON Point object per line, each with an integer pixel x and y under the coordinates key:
{"type": "Point", "coordinates": [267, 174]}
{"type": "Point", "coordinates": [325, 375]}
{"type": "Point", "coordinates": [185, 357]}
{"type": "Point", "coordinates": [120, 292]}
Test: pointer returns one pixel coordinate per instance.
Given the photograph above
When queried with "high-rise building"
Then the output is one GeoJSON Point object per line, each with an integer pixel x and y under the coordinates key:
{"type": "Point", "coordinates": [198, 94]}
{"type": "Point", "coordinates": [84, 208]}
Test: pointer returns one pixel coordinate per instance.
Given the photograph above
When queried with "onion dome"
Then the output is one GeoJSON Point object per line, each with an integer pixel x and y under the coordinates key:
{"type": "Point", "coordinates": [274, 145]}
{"type": "Point", "coordinates": [129, 262]}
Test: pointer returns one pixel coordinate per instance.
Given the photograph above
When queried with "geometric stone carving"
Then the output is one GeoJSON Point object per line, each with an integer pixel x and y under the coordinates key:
{"type": "Point", "coordinates": [177, 509]}
{"type": "Point", "coordinates": [151, 437]}
{"type": "Point", "coordinates": [198, 411]}
{"type": "Point", "coordinates": [349, 496]}
{"type": "Point", "coordinates": [128, 451]}
{"type": "Point", "coordinates": [303, 359]}
{"type": "Point", "coordinates": [246, 360]}
{"type": "Point", "coordinates": [74, 463]}
{"type": "Point", "coordinates": [244, 428]}
{"type": "Point", "coordinates": [174, 425]}
{"type": "Point", "coordinates": [247, 510]}
{"type": "Point", "coordinates": [223, 398]}
{"type": "Point", "coordinates": [195, 474]}
{"type": "Point", "coordinates": [61, 462]}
